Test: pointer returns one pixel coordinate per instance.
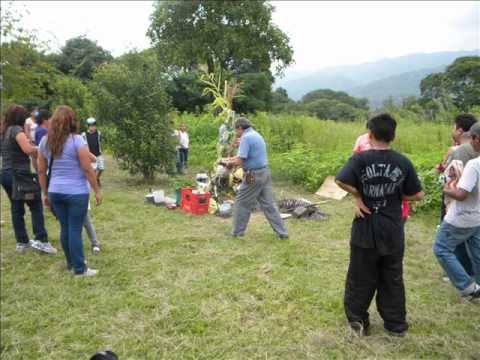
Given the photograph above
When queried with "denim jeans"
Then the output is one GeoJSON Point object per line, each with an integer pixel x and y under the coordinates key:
{"type": "Point", "coordinates": [448, 238]}
{"type": "Point", "coordinates": [17, 208]}
{"type": "Point", "coordinates": [183, 153]}
{"type": "Point", "coordinates": [71, 211]}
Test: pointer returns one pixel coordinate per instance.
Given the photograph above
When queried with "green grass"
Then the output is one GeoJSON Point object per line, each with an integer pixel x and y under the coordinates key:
{"type": "Point", "coordinates": [173, 286]}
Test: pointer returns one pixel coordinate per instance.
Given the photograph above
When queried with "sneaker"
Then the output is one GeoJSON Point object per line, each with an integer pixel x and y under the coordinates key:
{"type": "Point", "coordinates": [44, 247]}
{"type": "Point", "coordinates": [358, 330]}
{"type": "Point", "coordinates": [96, 250]}
{"type": "Point", "coordinates": [21, 248]}
{"type": "Point", "coordinates": [282, 237]}
{"type": "Point", "coordinates": [473, 296]}
{"type": "Point", "coordinates": [87, 273]}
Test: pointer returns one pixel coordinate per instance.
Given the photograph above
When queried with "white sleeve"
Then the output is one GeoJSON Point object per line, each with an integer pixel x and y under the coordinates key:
{"type": "Point", "coordinates": [470, 177]}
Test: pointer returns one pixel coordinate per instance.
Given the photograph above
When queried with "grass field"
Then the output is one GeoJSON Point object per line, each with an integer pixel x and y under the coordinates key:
{"type": "Point", "coordinates": [173, 286]}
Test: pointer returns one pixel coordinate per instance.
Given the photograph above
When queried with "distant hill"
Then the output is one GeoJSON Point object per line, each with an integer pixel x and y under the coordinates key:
{"type": "Point", "coordinates": [357, 77]}
{"type": "Point", "coordinates": [397, 86]}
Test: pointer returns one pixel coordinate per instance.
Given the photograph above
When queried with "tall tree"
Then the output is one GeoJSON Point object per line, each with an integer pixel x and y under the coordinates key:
{"type": "Point", "coordinates": [25, 76]}
{"type": "Point", "coordinates": [80, 56]}
{"type": "Point", "coordinates": [460, 84]}
{"type": "Point", "coordinates": [226, 33]}
{"type": "Point", "coordinates": [130, 94]}
{"type": "Point", "coordinates": [464, 81]}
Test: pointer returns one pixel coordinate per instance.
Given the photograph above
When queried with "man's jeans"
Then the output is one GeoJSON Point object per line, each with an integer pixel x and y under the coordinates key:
{"type": "Point", "coordinates": [448, 238]}
{"type": "Point", "coordinates": [18, 213]}
{"type": "Point", "coordinates": [71, 211]}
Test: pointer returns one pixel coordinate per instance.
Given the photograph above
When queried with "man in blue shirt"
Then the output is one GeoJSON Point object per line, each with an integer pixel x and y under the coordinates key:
{"type": "Point", "coordinates": [257, 182]}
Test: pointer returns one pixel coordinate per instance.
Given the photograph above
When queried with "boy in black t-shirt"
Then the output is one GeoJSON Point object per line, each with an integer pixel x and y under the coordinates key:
{"type": "Point", "coordinates": [379, 179]}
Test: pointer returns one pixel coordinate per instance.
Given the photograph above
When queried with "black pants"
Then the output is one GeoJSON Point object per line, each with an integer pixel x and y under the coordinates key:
{"type": "Point", "coordinates": [370, 272]}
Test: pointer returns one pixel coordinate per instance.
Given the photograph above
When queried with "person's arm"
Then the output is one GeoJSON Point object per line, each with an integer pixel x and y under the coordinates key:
{"type": "Point", "coordinates": [25, 144]}
{"type": "Point", "coordinates": [42, 166]}
{"type": "Point", "coordinates": [234, 162]}
{"type": "Point", "coordinates": [86, 164]}
{"type": "Point", "coordinates": [360, 208]}
{"type": "Point", "coordinates": [455, 193]}
{"type": "Point", "coordinates": [415, 197]}
{"type": "Point", "coordinates": [459, 189]}
{"type": "Point", "coordinates": [93, 158]}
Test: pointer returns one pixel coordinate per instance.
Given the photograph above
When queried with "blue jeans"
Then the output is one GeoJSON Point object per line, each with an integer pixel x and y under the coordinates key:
{"type": "Point", "coordinates": [448, 238]}
{"type": "Point", "coordinates": [17, 208]}
{"type": "Point", "coordinates": [71, 211]}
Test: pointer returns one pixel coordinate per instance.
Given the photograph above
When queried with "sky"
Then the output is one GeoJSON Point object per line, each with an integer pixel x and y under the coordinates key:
{"type": "Point", "coordinates": [322, 33]}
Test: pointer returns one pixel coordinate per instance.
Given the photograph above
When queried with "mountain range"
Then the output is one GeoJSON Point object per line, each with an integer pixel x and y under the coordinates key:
{"type": "Point", "coordinates": [397, 77]}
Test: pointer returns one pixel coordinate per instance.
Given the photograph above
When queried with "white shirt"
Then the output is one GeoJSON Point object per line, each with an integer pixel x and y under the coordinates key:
{"type": "Point", "coordinates": [466, 214]}
{"type": "Point", "coordinates": [184, 140]}
{"type": "Point", "coordinates": [33, 126]}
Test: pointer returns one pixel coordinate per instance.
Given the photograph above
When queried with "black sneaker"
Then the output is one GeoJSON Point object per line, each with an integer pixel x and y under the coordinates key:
{"type": "Point", "coordinates": [358, 329]}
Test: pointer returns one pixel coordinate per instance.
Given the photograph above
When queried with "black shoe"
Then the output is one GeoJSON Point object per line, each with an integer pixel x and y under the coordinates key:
{"type": "Point", "coordinates": [282, 237]}
{"type": "Point", "coordinates": [358, 328]}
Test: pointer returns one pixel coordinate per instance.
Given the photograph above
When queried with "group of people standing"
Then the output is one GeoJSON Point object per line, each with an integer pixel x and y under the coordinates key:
{"type": "Point", "coordinates": [382, 181]}
{"type": "Point", "coordinates": [66, 172]}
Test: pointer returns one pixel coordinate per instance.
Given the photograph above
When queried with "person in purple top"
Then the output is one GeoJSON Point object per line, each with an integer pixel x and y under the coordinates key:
{"type": "Point", "coordinates": [41, 130]}
{"type": "Point", "coordinates": [67, 188]}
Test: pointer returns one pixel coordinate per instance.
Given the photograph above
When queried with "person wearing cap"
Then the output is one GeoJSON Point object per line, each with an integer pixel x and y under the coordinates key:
{"type": "Point", "coordinates": [257, 181]}
{"type": "Point", "coordinates": [93, 137]}
{"type": "Point", "coordinates": [461, 225]}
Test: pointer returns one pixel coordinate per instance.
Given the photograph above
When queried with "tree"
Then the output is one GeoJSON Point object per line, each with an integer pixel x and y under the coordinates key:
{"type": "Point", "coordinates": [131, 95]}
{"type": "Point", "coordinates": [343, 97]}
{"type": "Point", "coordinates": [464, 82]}
{"type": "Point", "coordinates": [80, 56]}
{"type": "Point", "coordinates": [281, 103]}
{"type": "Point", "coordinates": [256, 93]}
{"type": "Point", "coordinates": [459, 84]}
{"type": "Point", "coordinates": [72, 92]}
{"type": "Point", "coordinates": [331, 110]}
{"type": "Point", "coordinates": [227, 33]}
{"type": "Point", "coordinates": [186, 92]}
{"type": "Point", "coordinates": [26, 77]}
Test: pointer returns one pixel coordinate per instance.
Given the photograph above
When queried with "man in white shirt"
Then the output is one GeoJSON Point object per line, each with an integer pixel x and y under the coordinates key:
{"type": "Point", "coordinates": [462, 225]}
{"type": "Point", "coordinates": [184, 145]}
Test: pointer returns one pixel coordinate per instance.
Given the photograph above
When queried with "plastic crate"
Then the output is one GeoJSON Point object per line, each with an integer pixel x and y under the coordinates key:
{"type": "Point", "coordinates": [195, 204]}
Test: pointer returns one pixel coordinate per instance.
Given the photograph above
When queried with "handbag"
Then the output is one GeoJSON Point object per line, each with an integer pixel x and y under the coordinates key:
{"type": "Point", "coordinates": [25, 184]}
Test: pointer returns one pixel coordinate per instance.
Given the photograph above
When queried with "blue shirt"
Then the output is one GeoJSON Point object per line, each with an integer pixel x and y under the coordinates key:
{"type": "Point", "coordinates": [40, 132]}
{"type": "Point", "coordinates": [252, 150]}
{"type": "Point", "coordinates": [67, 175]}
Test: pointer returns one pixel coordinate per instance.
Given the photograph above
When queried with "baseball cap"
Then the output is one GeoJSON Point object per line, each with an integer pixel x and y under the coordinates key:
{"type": "Point", "coordinates": [91, 121]}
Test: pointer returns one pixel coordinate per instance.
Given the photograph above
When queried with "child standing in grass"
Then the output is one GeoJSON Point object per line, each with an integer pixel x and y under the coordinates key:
{"type": "Point", "coordinates": [379, 179]}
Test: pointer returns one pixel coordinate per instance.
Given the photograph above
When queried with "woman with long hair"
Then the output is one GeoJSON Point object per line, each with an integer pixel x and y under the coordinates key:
{"type": "Point", "coordinates": [65, 153]}
{"type": "Point", "coordinates": [16, 151]}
